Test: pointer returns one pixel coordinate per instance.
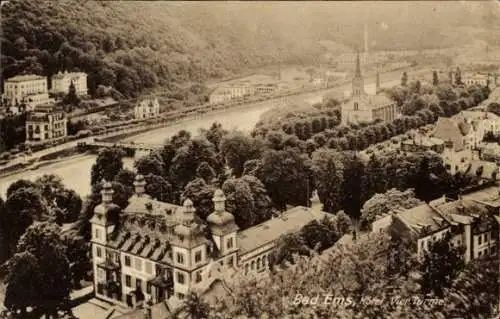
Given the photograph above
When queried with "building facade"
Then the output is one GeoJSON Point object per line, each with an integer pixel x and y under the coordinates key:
{"type": "Point", "coordinates": [61, 82]}
{"type": "Point", "coordinates": [29, 89]}
{"type": "Point", "coordinates": [155, 251]}
{"type": "Point", "coordinates": [45, 122]}
{"type": "Point", "coordinates": [467, 224]}
{"type": "Point", "coordinates": [363, 107]}
{"type": "Point", "coordinates": [147, 108]}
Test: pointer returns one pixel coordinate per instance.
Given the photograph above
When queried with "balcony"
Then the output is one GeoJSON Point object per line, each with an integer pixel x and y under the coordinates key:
{"type": "Point", "coordinates": [111, 289]}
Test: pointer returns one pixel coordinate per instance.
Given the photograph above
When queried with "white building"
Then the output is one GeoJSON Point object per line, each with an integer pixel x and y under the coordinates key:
{"type": "Point", "coordinates": [29, 89]}
{"type": "Point", "coordinates": [45, 122]}
{"type": "Point", "coordinates": [147, 108]}
{"type": "Point", "coordinates": [475, 79]}
{"type": "Point", "coordinates": [158, 251]}
{"type": "Point", "coordinates": [61, 82]}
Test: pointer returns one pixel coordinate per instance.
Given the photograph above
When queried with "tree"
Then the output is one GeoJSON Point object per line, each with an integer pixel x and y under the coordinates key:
{"type": "Point", "coordinates": [328, 176]}
{"type": "Point", "coordinates": [150, 164]}
{"type": "Point", "coordinates": [435, 78]}
{"type": "Point", "coordinates": [353, 194]}
{"type": "Point", "coordinates": [206, 172]}
{"type": "Point", "coordinates": [494, 108]}
{"type": "Point", "coordinates": [262, 202]}
{"type": "Point", "coordinates": [285, 249]}
{"type": "Point", "coordinates": [158, 188]}
{"type": "Point", "coordinates": [458, 76]}
{"type": "Point", "coordinates": [404, 79]}
{"type": "Point", "coordinates": [20, 183]}
{"type": "Point", "coordinates": [201, 194]}
{"type": "Point", "coordinates": [43, 247]}
{"type": "Point", "coordinates": [188, 158]}
{"type": "Point", "coordinates": [22, 283]}
{"type": "Point", "coordinates": [126, 178]}
{"type": "Point", "coordinates": [214, 134]}
{"type": "Point", "coordinates": [344, 223]}
{"type": "Point", "coordinates": [320, 235]}
{"type": "Point", "coordinates": [196, 307]}
{"type": "Point", "coordinates": [390, 201]}
{"type": "Point", "coordinates": [70, 203]}
{"type": "Point", "coordinates": [237, 148]}
{"type": "Point", "coordinates": [108, 163]}
{"type": "Point", "coordinates": [71, 98]}
{"type": "Point", "coordinates": [286, 176]}
{"type": "Point", "coordinates": [22, 207]}
{"type": "Point", "coordinates": [441, 264]}
{"type": "Point", "coordinates": [240, 202]}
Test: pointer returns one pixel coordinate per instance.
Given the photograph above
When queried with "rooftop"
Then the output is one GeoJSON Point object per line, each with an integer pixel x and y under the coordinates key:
{"type": "Point", "coordinates": [462, 210]}
{"type": "Point", "coordinates": [27, 77]}
{"type": "Point", "coordinates": [269, 231]}
{"type": "Point", "coordinates": [489, 196]}
{"type": "Point", "coordinates": [62, 75]}
{"type": "Point", "coordinates": [423, 219]}
{"type": "Point", "coordinates": [448, 129]}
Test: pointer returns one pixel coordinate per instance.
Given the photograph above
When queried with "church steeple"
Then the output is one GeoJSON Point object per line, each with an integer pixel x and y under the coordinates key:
{"type": "Point", "coordinates": [357, 73]}
{"type": "Point", "coordinates": [358, 85]}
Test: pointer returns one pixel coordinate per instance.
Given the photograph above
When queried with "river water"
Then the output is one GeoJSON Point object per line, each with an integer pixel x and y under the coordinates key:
{"type": "Point", "coordinates": [75, 172]}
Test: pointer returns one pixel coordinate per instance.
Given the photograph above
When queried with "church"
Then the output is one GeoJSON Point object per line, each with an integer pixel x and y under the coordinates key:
{"type": "Point", "coordinates": [363, 107]}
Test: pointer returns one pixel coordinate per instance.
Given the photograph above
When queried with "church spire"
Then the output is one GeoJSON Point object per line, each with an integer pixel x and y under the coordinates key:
{"type": "Point", "coordinates": [358, 68]}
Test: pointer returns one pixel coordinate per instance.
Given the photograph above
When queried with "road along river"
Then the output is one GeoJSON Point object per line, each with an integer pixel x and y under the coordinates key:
{"type": "Point", "coordinates": [75, 171]}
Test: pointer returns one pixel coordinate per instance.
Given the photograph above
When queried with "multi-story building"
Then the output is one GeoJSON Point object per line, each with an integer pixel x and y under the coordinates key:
{"type": "Point", "coordinates": [221, 95]}
{"type": "Point", "coordinates": [475, 79]}
{"type": "Point", "coordinates": [156, 251]}
{"type": "Point", "coordinates": [481, 122]}
{"type": "Point", "coordinates": [468, 224]}
{"type": "Point", "coordinates": [147, 108]}
{"type": "Point", "coordinates": [363, 107]}
{"type": "Point", "coordinates": [28, 89]}
{"type": "Point", "coordinates": [45, 122]}
{"type": "Point", "coordinates": [61, 82]}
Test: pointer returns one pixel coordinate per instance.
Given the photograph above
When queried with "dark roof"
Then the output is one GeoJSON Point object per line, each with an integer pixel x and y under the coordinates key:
{"type": "Point", "coordinates": [26, 77]}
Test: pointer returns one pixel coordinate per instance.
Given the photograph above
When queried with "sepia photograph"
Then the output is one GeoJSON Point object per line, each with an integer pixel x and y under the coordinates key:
{"type": "Point", "coordinates": [249, 159]}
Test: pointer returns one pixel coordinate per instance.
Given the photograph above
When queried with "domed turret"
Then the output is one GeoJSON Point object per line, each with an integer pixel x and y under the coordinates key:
{"type": "Point", "coordinates": [187, 228]}
{"type": "Point", "coordinates": [220, 216]}
{"type": "Point", "coordinates": [107, 192]}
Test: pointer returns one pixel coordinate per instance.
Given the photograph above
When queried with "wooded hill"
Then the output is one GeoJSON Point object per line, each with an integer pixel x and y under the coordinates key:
{"type": "Point", "coordinates": [136, 45]}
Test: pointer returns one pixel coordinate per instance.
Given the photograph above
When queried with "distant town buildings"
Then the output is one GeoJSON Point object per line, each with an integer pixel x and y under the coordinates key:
{"type": "Point", "coordinates": [28, 89]}
{"type": "Point", "coordinates": [61, 82]}
{"type": "Point", "coordinates": [159, 252]}
{"type": "Point", "coordinates": [45, 122]}
{"type": "Point", "coordinates": [236, 91]}
{"type": "Point", "coordinates": [476, 79]}
{"type": "Point", "coordinates": [363, 107]}
{"type": "Point", "coordinates": [422, 143]}
{"type": "Point", "coordinates": [147, 108]}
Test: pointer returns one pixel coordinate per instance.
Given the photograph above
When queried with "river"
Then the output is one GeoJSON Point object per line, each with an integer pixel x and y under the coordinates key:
{"type": "Point", "coordinates": [75, 172]}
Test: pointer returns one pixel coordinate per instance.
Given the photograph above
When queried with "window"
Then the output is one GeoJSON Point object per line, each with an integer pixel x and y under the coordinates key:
{"type": "Point", "coordinates": [198, 276]}
{"type": "Point", "coordinates": [98, 252]}
{"type": "Point", "coordinates": [148, 288]}
{"type": "Point", "coordinates": [128, 281]}
{"type": "Point", "coordinates": [486, 237]}
{"type": "Point", "coordinates": [100, 273]}
{"type": "Point", "coordinates": [117, 258]}
{"type": "Point", "coordinates": [127, 261]}
{"type": "Point", "coordinates": [180, 296]}
{"type": "Point", "coordinates": [97, 233]}
{"type": "Point", "coordinates": [480, 253]}
{"type": "Point", "coordinates": [149, 267]}
{"type": "Point", "coordinates": [252, 265]}
{"type": "Point", "coordinates": [493, 250]}
{"type": "Point", "coordinates": [356, 106]}
{"type": "Point", "coordinates": [138, 284]}
{"type": "Point", "coordinates": [180, 278]}
{"type": "Point", "coordinates": [221, 262]}
{"type": "Point", "coordinates": [480, 239]}
{"type": "Point", "coordinates": [197, 256]}
{"type": "Point", "coordinates": [138, 264]}
{"type": "Point", "coordinates": [229, 243]}
{"type": "Point", "coordinates": [230, 261]}
{"type": "Point", "coordinates": [246, 269]}
{"type": "Point", "coordinates": [180, 258]}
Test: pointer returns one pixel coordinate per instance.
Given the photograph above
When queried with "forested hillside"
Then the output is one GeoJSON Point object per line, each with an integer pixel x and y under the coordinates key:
{"type": "Point", "coordinates": [136, 45]}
